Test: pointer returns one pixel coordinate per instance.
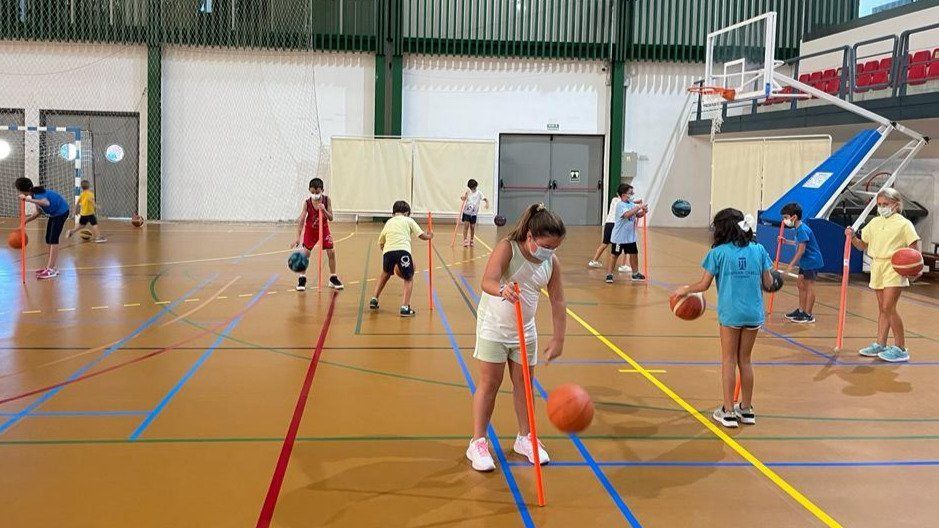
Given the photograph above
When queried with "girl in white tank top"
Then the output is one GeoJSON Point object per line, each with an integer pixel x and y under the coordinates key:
{"type": "Point", "coordinates": [525, 256]}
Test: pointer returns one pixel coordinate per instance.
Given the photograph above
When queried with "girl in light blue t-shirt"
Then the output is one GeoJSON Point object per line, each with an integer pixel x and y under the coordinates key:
{"type": "Point", "coordinates": [742, 269]}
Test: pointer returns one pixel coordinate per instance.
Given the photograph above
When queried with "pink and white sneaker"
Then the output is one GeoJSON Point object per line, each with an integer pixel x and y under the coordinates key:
{"type": "Point", "coordinates": [466, 242]}
{"type": "Point", "coordinates": [47, 273]}
{"type": "Point", "coordinates": [478, 453]}
{"type": "Point", "coordinates": [523, 447]}
{"type": "Point", "coordinates": [40, 271]}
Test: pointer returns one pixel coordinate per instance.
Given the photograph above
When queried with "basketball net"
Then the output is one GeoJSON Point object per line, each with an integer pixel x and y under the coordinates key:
{"type": "Point", "coordinates": [712, 104]}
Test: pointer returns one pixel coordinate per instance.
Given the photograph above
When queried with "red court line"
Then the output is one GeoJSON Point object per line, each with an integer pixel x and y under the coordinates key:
{"type": "Point", "coordinates": [280, 469]}
{"type": "Point", "coordinates": [148, 355]}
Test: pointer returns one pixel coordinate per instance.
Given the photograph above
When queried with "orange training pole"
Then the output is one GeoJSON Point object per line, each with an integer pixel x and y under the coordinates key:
{"type": "Point", "coordinates": [843, 306]}
{"type": "Point", "coordinates": [779, 241]}
{"type": "Point", "coordinates": [529, 397]}
{"type": "Point", "coordinates": [430, 263]}
{"type": "Point", "coordinates": [737, 388]}
{"type": "Point", "coordinates": [645, 247]}
{"type": "Point", "coordinates": [23, 241]}
{"type": "Point", "coordinates": [459, 220]}
{"type": "Point", "coordinates": [320, 224]}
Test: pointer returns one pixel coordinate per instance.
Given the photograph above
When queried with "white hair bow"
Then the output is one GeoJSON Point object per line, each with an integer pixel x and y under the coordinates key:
{"type": "Point", "coordinates": [748, 223]}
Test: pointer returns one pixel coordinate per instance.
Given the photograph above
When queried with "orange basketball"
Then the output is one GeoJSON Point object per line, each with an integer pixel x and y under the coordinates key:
{"type": "Point", "coordinates": [907, 262]}
{"type": "Point", "coordinates": [15, 241]}
{"type": "Point", "coordinates": [687, 307]}
{"type": "Point", "coordinates": [570, 408]}
{"type": "Point", "coordinates": [136, 220]}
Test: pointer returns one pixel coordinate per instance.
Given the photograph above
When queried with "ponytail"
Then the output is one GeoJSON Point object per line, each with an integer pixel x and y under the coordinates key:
{"type": "Point", "coordinates": [538, 221]}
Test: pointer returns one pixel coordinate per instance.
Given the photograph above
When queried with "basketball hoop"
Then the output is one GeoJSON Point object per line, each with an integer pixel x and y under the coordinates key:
{"type": "Point", "coordinates": [728, 94]}
{"type": "Point", "coordinates": [712, 103]}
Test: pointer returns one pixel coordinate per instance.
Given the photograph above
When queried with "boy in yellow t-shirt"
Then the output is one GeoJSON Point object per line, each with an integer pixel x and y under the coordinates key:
{"type": "Point", "coordinates": [395, 243]}
{"type": "Point", "coordinates": [86, 209]}
{"type": "Point", "coordinates": [880, 238]}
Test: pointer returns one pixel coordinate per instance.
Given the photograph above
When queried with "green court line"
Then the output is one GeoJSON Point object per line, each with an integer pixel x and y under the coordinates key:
{"type": "Point", "coordinates": [445, 438]}
{"type": "Point", "coordinates": [597, 402]}
{"type": "Point", "coordinates": [364, 283]}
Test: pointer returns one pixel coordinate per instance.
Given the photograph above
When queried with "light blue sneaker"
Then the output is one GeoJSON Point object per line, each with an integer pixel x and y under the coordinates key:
{"type": "Point", "coordinates": [872, 351]}
{"type": "Point", "coordinates": [894, 354]}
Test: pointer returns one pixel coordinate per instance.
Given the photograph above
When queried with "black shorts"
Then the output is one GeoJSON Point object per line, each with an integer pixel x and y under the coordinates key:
{"type": "Point", "coordinates": [88, 219]}
{"type": "Point", "coordinates": [607, 232]}
{"type": "Point", "coordinates": [54, 227]}
{"type": "Point", "coordinates": [629, 249]}
{"type": "Point", "coordinates": [469, 218]}
{"type": "Point", "coordinates": [808, 274]}
{"type": "Point", "coordinates": [400, 259]}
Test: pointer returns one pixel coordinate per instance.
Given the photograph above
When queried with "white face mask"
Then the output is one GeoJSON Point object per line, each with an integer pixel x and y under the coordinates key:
{"type": "Point", "coordinates": [885, 210]}
{"type": "Point", "coordinates": [541, 253]}
{"type": "Point", "coordinates": [316, 196]}
{"type": "Point", "coordinates": [788, 222]}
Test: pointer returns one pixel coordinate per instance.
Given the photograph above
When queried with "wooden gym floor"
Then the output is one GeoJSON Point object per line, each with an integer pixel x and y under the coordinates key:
{"type": "Point", "coordinates": [154, 381]}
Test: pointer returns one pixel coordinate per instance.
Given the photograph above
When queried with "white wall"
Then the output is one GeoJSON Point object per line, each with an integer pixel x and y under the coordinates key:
{"type": "Point", "coordinates": [891, 26]}
{"type": "Point", "coordinates": [38, 76]}
{"type": "Point", "coordinates": [671, 164]}
{"type": "Point", "coordinates": [918, 182]}
{"type": "Point", "coordinates": [244, 131]}
{"type": "Point", "coordinates": [478, 98]}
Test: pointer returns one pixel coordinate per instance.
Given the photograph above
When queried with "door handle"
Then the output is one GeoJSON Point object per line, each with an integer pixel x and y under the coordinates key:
{"type": "Point", "coordinates": [599, 185]}
{"type": "Point", "coordinates": [501, 183]}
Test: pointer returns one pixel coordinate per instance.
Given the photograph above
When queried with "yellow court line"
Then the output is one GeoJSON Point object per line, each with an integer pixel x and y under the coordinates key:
{"type": "Point", "coordinates": [742, 451]}
{"type": "Point", "coordinates": [481, 241]}
{"type": "Point", "coordinates": [131, 305]}
{"type": "Point", "coordinates": [634, 371]}
{"type": "Point", "coordinates": [66, 310]}
{"type": "Point", "coordinates": [32, 311]}
{"type": "Point", "coordinates": [99, 307]}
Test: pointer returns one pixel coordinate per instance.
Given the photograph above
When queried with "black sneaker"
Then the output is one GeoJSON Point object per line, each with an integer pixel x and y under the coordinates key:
{"type": "Point", "coordinates": [804, 318]}
{"type": "Point", "coordinates": [406, 311]}
{"type": "Point", "coordinates": [301, 283]}
{"type": "Point", "coordinates": [795, 314]}
{"type": "Point", "coordinates": [638, 277]}
{"type": "Point", "coordinates": [609, 279]}
{"type": "Point", "coordinates": [335, 283]}
{"type": "Point", "coordinates": [373, 304]}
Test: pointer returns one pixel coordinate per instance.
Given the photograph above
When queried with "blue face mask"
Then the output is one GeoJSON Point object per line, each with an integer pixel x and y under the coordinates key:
{"type": "Point", "coordinates": [542, 253]}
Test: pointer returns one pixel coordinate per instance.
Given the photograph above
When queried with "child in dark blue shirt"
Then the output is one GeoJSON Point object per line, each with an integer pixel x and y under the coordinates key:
{"type": "Point", "coordinates": [809, 259]}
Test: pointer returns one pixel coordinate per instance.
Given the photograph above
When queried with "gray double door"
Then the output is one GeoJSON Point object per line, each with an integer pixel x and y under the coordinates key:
{"type": "Point", "coordinates": [565, 172]}
{"type": "Point", "coordinates": [115, 182]}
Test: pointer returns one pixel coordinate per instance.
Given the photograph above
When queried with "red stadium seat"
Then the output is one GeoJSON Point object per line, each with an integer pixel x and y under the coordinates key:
{"type": "Point", "coordinates": [879, 80]}
{"type": "Point", "coordinates": [920, 56]}
{"type": "Point", "coordinates": [859, 68]}
{"type": "Point", "coordinates": [815, 77]}
{"type": "Point", "coordinates": [804, 78]}
{"type": "Point", "coordinates": [871, 66]}
{"type": "Point", "coordinates": [916, 74]}
{"type": "Point", "coordinates": [863, 82]}
{"type": "Point", "coordinates": [932, 71]}
{"type": "Point", "coordinates": [830, 73]}
{"type": "Point", "coordinates": [833, 86]}
{"type": "Point", "coordinates": [886, 64]}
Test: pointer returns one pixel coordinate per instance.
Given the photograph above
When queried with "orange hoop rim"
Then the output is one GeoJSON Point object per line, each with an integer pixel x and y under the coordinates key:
{"type": "Point", "coordinates": [727, 93]}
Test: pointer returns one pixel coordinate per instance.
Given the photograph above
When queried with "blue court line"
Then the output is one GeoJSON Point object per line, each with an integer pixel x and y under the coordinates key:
{"type": "Point", "coordinates": [202, 359]}
{"type": "Point", "coordinates": [692, 463]}
{"type": "Point", "coordinates": [87, 413]}
{"type": "Point", "coordinates": [504, 465]}
{"type": "Point", "coordinates": [584, 452]}
{"type": "Point", "coordinates": [110, 350]}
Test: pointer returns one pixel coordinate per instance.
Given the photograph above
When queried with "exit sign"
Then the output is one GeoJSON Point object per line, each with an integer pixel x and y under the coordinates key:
{"type": "Point", "coordinates": [554, 126]}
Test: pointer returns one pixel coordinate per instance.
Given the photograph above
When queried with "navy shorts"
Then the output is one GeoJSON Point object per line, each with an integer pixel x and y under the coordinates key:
{"type": "Point", "coordinates": [607, 232]}
{"type": "Point", "coordinates": [469, 218]}
{"type": "Point", "coordinates": [88, 219]}
{"type": "Point", "coordinates": [54, 227]}
{"type": "Point", "coordinates": [808, 274]}
{"type": "Point", "coordinates": [398, 259]}
{"type": "Point", "coordinates": [629, 249]}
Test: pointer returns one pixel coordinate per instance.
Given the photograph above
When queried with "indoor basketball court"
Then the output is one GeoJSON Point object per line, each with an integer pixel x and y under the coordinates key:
{"type": "Point", "coordinates": [189, 358]}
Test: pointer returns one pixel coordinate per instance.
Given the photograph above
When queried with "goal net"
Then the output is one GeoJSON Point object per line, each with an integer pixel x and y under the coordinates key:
{"type": "Point", "coordinates": [49, 156]}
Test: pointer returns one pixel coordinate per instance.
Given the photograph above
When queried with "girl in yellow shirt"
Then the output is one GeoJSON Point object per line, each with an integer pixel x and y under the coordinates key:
{"type": "Point", "coordinates": [880, 238]}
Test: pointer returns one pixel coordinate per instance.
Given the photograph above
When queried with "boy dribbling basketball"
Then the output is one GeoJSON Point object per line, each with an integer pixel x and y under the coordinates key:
{"type": "Point", "coordinates": [308, 231]}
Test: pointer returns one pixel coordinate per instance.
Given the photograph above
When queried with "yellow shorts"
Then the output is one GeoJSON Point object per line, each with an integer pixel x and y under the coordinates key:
{"type": "Point", "coordinates": [495, 352]}
{"type": "Point", "coordinates": [884, 276]}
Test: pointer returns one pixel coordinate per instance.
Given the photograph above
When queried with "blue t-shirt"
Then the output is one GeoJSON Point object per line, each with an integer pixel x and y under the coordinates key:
{"type": "Point", "coordinates": [57, 205]}
{"type": "Point", "coordinates": [738, 271]}
{"type": "Point", "coordinates": [624, 229]}
{"type": "Point", "coordinates": [812, 257]}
